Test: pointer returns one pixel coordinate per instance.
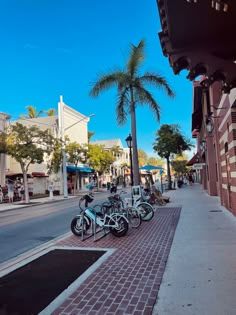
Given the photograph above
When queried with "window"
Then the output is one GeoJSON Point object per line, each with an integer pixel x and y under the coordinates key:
{"type": "Point", "coordinates": [226, 147]}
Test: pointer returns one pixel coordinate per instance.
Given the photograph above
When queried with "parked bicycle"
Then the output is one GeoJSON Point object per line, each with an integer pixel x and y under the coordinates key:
{"type": "Point", "coordinates": [117, 223]}
{"type": "Point", "coordinates": [116, 205]}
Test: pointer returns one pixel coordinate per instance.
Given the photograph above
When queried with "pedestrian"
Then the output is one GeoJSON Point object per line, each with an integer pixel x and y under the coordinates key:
{"type": "Point", "coordinates": [1, 194]}
{"type": "Point", "coordinates": [10, 191]}
{"type": "Point", "coordinates": [22, 192]}
{"type": "Point", "coordinates": [91, 186]}
{"type": "Point", "coordinates": [190, 179]}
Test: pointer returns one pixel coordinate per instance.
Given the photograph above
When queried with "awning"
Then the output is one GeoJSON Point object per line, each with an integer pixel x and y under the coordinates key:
{"type": "Point", "coordinates": [15, 175]}
{"type": "Point", "coordinates": [80, 169]}
{"type": "Point", "coordinates": [194, 160]}
{"type": "Point", "coordinates": [150, 168]}
{"type": "Point", "coordinates": [39, 174]}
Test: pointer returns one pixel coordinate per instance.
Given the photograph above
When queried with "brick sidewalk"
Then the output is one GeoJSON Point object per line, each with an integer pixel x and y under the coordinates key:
{"type": "Point", "coordinates": [128, 281]}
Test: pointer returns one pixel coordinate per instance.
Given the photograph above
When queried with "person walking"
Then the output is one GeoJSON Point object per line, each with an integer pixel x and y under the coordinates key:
{"type": "Point", "coordinates": [91, 186]}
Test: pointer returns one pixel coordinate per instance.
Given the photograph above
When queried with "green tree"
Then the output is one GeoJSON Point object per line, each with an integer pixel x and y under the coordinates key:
{"type": "Point", "coordinates": [131, 89]}
{"type": "Point", "coordinates": [28, 145]}
{"type": "Point", "coordinates": [99, 158]}
{"type": "Point", "coordinates": [179, 164]}
{"type": "Point", "coordinates": [142, 157]}
{"type": "Point", "coordinates": [54, 160]}
{"type": "Point", "coordinates": [169, 141]}
{"type": "Point", "coordinates": [76, 153]}
{"type": "Point", "coordinates": [32, 112]}
{"type": "Point", "coordinates": [155, 162]}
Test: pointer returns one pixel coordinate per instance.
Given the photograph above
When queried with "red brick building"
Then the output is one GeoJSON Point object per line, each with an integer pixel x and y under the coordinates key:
{"type": "Point", "coordinates": [199, 36]}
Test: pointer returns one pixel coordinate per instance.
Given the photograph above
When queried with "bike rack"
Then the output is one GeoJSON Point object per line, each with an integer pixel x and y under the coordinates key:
{"type": "Point", "coordinates": [94, 230]}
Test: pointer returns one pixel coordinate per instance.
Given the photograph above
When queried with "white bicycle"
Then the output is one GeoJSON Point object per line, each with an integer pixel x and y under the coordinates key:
{"type": "Point", "coordinates": [117, 223]}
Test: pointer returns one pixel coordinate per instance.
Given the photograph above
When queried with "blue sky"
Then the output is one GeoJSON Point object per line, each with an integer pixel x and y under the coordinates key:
{"type": "Point", "coordinates": [57, 47]}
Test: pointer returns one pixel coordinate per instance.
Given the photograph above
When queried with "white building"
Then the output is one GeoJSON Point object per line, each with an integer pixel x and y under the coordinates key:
{"type": "Point", "coordinates": [68, 122]}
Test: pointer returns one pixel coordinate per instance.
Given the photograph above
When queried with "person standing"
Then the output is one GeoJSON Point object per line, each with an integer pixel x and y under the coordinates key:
{"type": "Point", "coordinates": [10, 188]}
{"type": "Point", "coordinates": [1, 194]}
{"type": "Point", "coordinates": [22, 192]}
{"type": "Point", "coordinates": [190, 179]}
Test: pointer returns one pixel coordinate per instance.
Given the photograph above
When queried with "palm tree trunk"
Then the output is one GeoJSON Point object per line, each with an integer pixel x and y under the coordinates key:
{"type": "Point", "coordinates": [134, 141]}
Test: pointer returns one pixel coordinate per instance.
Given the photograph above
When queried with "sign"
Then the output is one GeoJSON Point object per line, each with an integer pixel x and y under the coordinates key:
{"type": "Point", "coordinates": [198, 166]}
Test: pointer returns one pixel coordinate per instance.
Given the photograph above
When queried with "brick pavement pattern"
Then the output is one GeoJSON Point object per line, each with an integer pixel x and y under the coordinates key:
{"type": "Point", "coordinates": [128, 281]}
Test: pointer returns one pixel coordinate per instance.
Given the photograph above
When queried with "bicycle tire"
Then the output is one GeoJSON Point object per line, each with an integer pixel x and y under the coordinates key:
{"type": "Point", "coordinates": [77, 225]}
{"type": "Point", "coordinates": [133, 217]}
{"type": "Point", "coordinates": [123, 226]}
{"type": "Point", "coordinates": [146, 211]}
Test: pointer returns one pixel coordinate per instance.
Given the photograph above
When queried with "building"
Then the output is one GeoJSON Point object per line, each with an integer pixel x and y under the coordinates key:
{"type": "Point", "coordinates": [68, 122]}
{"type": "Point", "coordinates": [119, 168]}
{"type": "Point", "coordinates": [208, 52]}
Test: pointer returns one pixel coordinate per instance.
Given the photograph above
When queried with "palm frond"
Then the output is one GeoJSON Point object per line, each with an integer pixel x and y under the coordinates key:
{"type": "Point", "coordinates": [136, 58]}
{"type": "Point", "coordinates": [121, 113]}
{"type": "Point", "coordinates": [144, 97]}
{"type": "Point", "coordinates": [158, 81]}
{"type": "Point", "coordinates": [105, 81]}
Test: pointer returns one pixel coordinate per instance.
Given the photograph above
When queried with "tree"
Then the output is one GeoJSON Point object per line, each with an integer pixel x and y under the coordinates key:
{"type": "Point", "coordinates": [50, 112]}
{"type": "Point", "coordinates": [32, 112]}
{"type": "Point", "coordinates": [99, 158]}
{"type": "Point", "coordinates": [54, 160]}
{"type": "Point", "coordinates": [179, 164]}
{"type": "Point", "coordinates": [90, 134]}
{"type": "Point", "coordinates": [132, 92]}
{"type": "Point", "coordinates": [169, 141]}
{"type": "Point", "coordinates": [28, 145]}
{"type": "Point", "coordinates": [155, 162]}
{"type": "Point", "coordinates": [142, 157]}
{"type": "Point", "coordinates": [77, 153]}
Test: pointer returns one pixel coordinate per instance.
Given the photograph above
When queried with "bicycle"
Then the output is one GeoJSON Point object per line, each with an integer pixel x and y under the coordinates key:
{"type": "Point", "coordinates": [116, 205]}
{"type": "Point", "coordinates": [117, 223]}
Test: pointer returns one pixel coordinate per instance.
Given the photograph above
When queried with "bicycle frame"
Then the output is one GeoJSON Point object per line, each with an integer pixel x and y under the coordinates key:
{"type": "Point", "coordinates": [107, 218]}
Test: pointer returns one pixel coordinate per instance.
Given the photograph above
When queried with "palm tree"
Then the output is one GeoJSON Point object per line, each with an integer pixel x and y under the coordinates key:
{"type": "Point", "coordinates": [32, 112]}
{"type": "Point", "coordinates": [51, 112]}
{"type": "Point", "coordinates": [131, 92]}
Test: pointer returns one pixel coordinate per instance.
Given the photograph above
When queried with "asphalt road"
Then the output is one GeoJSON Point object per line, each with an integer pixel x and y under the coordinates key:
{"type": "Point", "coordinates": [26, 228]}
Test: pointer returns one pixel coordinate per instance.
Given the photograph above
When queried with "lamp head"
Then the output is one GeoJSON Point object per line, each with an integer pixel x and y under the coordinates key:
{"type": "Point", "coordinates": [129, 141]}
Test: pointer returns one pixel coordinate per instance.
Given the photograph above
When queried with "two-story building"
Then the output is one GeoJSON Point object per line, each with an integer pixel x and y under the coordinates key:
{"type": "Point", "coordinates": [68, 122]}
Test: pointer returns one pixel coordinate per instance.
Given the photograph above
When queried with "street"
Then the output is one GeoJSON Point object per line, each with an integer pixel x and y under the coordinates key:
{"type": "Point", "coordinates": [26, 228]}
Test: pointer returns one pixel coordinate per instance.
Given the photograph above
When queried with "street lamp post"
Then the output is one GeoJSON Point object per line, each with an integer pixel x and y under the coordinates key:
{"type": "Point", "coordinates": [63, 129]}
{"type": "Point", "coordinates": [129, 144]}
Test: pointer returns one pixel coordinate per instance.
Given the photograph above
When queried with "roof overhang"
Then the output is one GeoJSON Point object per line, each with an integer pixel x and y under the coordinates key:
{"type": "Point", "coordinates": [80, 169]}
{"type": "Point", "coordinates": [200, 39]}
{"type": "Point", "coordinates": [193, 160]}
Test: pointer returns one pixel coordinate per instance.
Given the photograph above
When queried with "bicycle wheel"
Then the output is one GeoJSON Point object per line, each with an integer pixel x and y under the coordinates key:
{"type": "Point", "coordinates": [122, 227]}
{"type": "Point", "coordinates": [146, 211]}
{"type": "Point", "coordinates": [134, 217]}
{"type": "Point", "coordinates": [77, 225]}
